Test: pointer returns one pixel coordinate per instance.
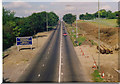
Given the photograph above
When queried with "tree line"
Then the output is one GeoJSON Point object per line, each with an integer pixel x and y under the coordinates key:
{"type": "Point", "coordinates": [25, 26]}
{"type": "Point", "coordinates": [69, 18]}
{"type": "Point", "coordinates": [103, 14]}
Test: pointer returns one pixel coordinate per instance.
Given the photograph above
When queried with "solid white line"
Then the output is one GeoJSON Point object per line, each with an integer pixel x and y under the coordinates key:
{"type": "Point", "coordinates": [60, 55]}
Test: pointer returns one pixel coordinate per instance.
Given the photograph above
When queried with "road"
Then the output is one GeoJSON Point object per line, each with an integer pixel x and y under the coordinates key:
{"type": "Point", "coordinates": [56, 62]}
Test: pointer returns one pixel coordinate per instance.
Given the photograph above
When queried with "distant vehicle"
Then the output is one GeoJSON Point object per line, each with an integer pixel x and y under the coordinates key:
{"type": "Point", "coordinates": [64, 34]}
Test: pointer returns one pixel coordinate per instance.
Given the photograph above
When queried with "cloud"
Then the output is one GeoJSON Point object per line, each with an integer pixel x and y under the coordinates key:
{"type": "Point", "coordinates": [18, 4]}
{"type": "Point", "coordinates": [62, 0]}
{"type": "Point", "coordinates": [107, 7]}
{"type": "Point", "coordinates": [42, 6]}
{"type": "Point", "coordinates": [61, 8]}
{"type": "Point", "coordinates": [69, 7]}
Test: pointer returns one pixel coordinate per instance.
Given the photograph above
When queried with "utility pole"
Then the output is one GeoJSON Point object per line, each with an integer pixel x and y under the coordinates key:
{"type": "Point", "coordinates": [76, 28]}
{"type": "Point", "coordinates": [47, 21]}
{"type": "Point", "coordinates": [98, 36]}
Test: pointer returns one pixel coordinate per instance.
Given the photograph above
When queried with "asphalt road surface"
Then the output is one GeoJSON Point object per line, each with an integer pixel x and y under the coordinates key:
{"type": "Point", "coordinates": [56, 62]}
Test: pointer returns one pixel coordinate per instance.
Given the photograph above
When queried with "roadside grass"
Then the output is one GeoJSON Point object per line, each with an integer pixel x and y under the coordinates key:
{"type": "Point", "coordinates": [80, 40]}
{"type": "Point", "coordinates": [96, 76]}
{"type": "Point", "coordinates": [93, 43]}
{"type": "Point", "coordinates": [72, 34]}
{"type": "Point", "coordinates": [80, 21]}
{"type": "Point", "coordinates": [104, 22]}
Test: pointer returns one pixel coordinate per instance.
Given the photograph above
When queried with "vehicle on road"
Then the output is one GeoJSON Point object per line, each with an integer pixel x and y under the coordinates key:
{"type": "Point", "coordinates": [65, 34]}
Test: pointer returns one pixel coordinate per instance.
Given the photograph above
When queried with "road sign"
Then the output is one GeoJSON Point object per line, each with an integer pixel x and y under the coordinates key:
{"type": "Point", "coordinates": [23, 41]}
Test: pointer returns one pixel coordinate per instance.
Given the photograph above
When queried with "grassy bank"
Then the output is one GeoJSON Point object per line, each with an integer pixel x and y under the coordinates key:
{"type": "Point", "coordinates": [103, 22]}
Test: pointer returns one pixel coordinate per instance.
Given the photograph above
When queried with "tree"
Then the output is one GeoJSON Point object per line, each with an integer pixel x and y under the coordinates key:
{"type": "Point", "coordinates": [81, 16]}
{"type": "Point", "coordinates": [37, 22]}
{"type": "Point", "coordinates": [108, 13]}
{"type": "Point", "coordinates": [116, 13]}
{"type": "Point", "coordinates": [52, 19]}
{"type": "Point", "coordinates": [103, 13]}
{"type": "Point", "coordinates": [7, 16]}
{"type": "Point", "coordinates": [112, 16]}
{"type": "Point", "coordinates": [69, 18]}
{"type": "Point", "coordinates": [87, 16]}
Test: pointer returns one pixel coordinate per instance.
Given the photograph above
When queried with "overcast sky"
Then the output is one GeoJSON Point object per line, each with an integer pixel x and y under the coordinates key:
{"type": "Point", "coordinates": [23, 8]}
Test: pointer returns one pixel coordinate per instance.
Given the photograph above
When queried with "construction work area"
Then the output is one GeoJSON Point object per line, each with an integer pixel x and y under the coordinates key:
{"type": "Point", "coordinates": [87, 49]}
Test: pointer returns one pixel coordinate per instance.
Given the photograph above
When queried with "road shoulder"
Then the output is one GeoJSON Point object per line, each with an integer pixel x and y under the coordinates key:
{"type": "Point", "coordinates": [17, 61]}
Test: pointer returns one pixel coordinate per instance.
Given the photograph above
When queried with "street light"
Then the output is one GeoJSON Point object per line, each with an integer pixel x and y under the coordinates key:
{"type": "Point", "coordinates": [98, 37]}
{"type": "Point", "coordinates": [47, 21]}
{"type": "Point", "coordinates": [76, 27]}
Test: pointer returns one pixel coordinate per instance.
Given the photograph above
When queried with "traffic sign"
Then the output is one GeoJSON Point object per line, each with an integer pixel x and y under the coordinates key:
{"type": "Point", "coordinates": [23, 41]}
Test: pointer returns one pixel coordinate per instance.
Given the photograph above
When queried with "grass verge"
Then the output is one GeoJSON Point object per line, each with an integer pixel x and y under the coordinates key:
{"type": "Point", "coordinates": [96, 76]}
{"type": "Point", "coordinates": [72, 34]}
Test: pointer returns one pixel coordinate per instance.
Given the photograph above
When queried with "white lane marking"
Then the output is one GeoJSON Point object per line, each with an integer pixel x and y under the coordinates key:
{"type": "Point", "coordinates": [38, 75]}
{"type": "Point", "coordinates": [61, 73]}
{"type": "Point", "coordinates": [60, 55]}
{"type": "Point", "coordinates": [43, 65]}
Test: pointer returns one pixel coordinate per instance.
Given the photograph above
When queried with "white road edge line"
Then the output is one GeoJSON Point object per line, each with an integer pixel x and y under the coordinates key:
{"type": "Point", "coordinates": [60, 55]}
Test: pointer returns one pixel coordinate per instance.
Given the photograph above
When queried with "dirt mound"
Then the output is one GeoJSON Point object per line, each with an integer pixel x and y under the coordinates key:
{"type": "Point", "coordinates": [108, 35]}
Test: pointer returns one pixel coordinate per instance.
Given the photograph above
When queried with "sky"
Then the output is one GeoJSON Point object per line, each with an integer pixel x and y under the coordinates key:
{"type": "Point", "coordinates": [24, 8]}
{"type": "Point", "coordinates": [62, 0]}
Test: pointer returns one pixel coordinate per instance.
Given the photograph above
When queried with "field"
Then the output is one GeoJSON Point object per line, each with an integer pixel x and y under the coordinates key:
{"type": "Point", "coordinates": [105, 22]}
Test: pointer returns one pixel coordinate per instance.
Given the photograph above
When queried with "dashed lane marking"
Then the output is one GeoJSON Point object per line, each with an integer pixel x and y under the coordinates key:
{"type": "Point", "coordinates": [38, 75]}
{"type": "Point", "coordinates": [43, 65]}
{"type": "Point", "coordinates": [61, 73]}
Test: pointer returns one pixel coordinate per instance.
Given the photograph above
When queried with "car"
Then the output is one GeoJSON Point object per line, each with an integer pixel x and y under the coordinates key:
{"type": "Point", "coordinates": [64, 34]}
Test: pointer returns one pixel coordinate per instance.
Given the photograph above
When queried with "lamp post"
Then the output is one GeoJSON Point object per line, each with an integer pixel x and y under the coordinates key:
{"type": "Point", "coordinates": [47, 21]}
{"type": "Point", "coordinates": [76, 27]}
{"type": "Point", "coordinates": [99, 36]}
